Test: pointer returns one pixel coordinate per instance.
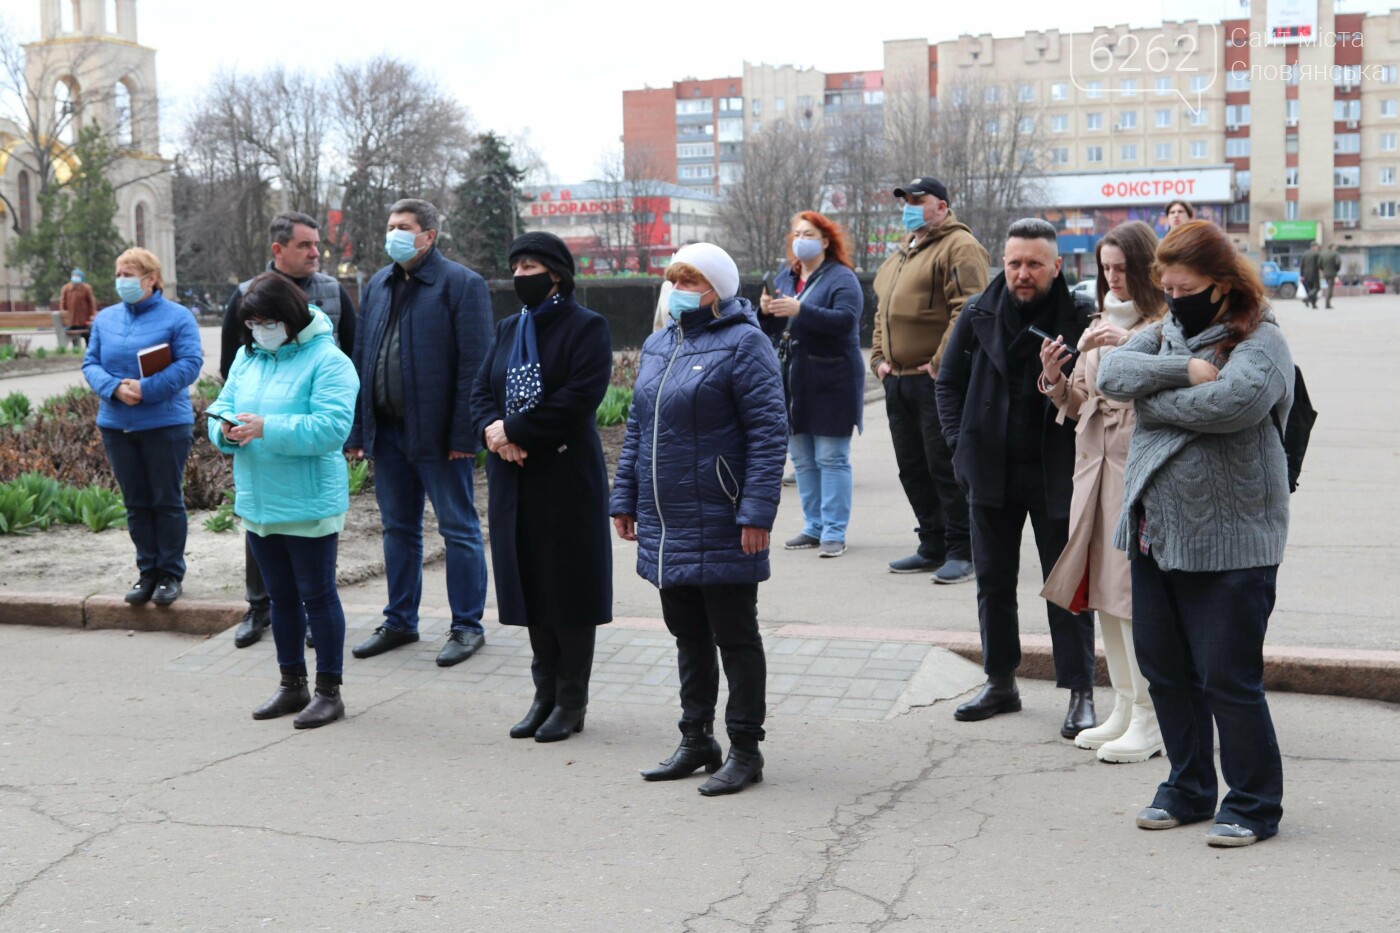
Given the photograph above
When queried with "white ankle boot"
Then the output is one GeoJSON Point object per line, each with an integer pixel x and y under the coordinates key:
{"type": "Point", "coordinates": [1141, 741]}
{"type": "Point", "coordinates": [1113, 727]}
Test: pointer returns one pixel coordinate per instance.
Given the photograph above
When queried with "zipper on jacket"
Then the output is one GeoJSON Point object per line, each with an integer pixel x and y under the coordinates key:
{"type": "Point", "coordinates": [721, 468]}
{"type": "Point", "coordinates": [655, 433]}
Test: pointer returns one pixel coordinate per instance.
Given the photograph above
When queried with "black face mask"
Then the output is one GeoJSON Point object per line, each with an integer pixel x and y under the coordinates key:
{"type": "Point", "coordinates": [1195, 312]}
{"type": "Point", "coordinates": [533, 289]}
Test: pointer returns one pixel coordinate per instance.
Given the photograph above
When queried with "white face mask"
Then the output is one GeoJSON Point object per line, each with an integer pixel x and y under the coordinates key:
{"type": "Point", "coordinates": [269, 336]}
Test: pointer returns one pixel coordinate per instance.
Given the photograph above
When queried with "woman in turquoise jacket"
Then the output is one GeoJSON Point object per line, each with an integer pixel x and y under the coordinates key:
{"type": "Point", "coordinates": [284, 414]}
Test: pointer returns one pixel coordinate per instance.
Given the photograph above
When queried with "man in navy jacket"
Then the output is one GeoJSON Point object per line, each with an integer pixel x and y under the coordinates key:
{"type": "Point", "coordinates": [424, 328]}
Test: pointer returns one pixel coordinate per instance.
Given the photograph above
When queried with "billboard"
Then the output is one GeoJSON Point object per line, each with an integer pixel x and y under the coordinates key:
{"type": "Point", "coordinates": [1290, 22]}
{"type": "Point", "coordinates": [1149, 187]}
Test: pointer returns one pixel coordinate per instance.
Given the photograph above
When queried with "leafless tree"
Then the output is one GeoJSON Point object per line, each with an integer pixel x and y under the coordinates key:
{"type": "Point", "coordinates": [990, 152]}
{"type": "Point", "coordinates": [859, 181]}
{"type": "Point", "coordinates": [908, 131]}
{"type": "Point", "coordinates": [633, 184]}
{"type": "Point", "coordinates": [784, 171]}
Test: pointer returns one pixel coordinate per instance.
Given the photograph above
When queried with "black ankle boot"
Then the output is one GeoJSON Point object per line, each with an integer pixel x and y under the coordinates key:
{"type": "Point", "coordinates": [291, 697]}
{"type": "Point", "coordinates": [1080, 715]}
{"type": "Point", "coordinates": [561, 724]}
{"type": "Point", "coordinates": [743, 767]}
{"type": "Point", "coordinates": [697, 750]}
{"type": "Point", "coordinates": [526, 728]}
{"type": "Point", "coordinates": [998, 695]}
{"type": "Point", "coordinates": [325, 707]}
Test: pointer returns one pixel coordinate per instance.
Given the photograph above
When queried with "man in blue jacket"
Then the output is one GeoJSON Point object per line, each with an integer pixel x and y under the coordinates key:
{"type": "Point", "coordinates": [424, 328]}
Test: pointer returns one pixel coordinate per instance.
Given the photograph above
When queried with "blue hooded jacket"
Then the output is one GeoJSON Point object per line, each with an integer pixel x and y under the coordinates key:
{"type": "Point", "coordinates": [118, 334]}
{"type": "Point", "coordinates": [704, 449]}
{"type": "Point", "coordinates": [305, 393]}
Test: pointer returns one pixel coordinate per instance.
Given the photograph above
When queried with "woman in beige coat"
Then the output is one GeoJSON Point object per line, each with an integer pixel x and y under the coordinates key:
{"type": "Point", "coordinates": [1090, 573]}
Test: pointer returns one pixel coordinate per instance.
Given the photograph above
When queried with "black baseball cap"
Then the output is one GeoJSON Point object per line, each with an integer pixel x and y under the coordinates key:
{"type": "Point", "coordinates": [923, 186]}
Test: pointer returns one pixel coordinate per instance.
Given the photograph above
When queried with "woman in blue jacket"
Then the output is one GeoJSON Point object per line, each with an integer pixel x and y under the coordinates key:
{"type": "Point", "coordinates": [824, 374]}
{"type": "Point", "coordinates": [147, 421]}
{"type": "Point", "coordinates": [697, 488]}
{"type": "Point", "coordinates": [284, 414]}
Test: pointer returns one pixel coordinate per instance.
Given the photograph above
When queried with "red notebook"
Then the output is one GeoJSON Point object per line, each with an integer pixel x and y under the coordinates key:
{"type": "Point", "coordinates": [153, 359]}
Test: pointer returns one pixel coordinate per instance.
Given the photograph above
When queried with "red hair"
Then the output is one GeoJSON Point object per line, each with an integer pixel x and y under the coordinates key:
{"type": "Point", "coordinates": [831, 232]}
{"type": "Point", "coordinates": [1202, 247]}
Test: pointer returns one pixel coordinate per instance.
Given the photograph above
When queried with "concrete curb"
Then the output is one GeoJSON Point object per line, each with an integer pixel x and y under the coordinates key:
{"type": "Point", "coordinates": [1341, 672]}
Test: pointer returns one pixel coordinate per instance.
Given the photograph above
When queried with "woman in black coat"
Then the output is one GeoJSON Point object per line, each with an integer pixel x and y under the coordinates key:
{"type": "Point", "coordinates": [534, 405]}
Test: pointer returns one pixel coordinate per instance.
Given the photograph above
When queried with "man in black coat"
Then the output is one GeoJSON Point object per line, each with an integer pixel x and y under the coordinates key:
{"type": "Point", "coordinates": [1014, 461]}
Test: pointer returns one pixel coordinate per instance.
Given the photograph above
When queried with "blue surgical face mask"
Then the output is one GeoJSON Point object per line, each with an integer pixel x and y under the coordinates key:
{"type": "Point", "coordinates": [681, 302]}
{"type": "Point", "coordinates": [75, 279]}
{"type": "Point", "coordinates": [129, 289]}
{"type": "Point", "coordinates": [913, 217]}
{"type": "Point", "coordinates": [806, 250]}
{"type": "Point", "coordinates": [399, 244]}
{"type": "Point", "coordinates": [269, 336]}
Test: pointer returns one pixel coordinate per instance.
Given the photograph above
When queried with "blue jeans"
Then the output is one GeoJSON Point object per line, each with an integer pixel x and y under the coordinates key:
{"type": "Point", "coordinates": [150, 468]}
{"type": "Point", "coordinates": [823, 467]}
{"type": "Point", "coordinates": [400, 487]}
{"type": "Point", "coordinates": [1200, 643]}
{"type": "Point", "coordinates": [300, 578]}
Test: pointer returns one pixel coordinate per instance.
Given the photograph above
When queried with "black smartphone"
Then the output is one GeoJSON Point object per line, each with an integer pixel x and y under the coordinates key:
{"type": "Point", "coordinates": [1044, 336]}
{"type": "Point", "coordinates": [226, 419]}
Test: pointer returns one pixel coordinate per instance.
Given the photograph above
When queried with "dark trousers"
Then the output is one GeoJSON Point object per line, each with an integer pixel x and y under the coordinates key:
{"type": "Point", "coordinates": [926, 468]}
{"type": "Point", "coordinates": [254, 589]}
{"type": "Point", "coordinates": [701, 617]}
{"type": "Point", "coordinates": [300, 575]}
{"type": "Point", "coordinates": [996, 553]}
{"type": "Point", "coordinates": [1200, 643]}
{"type": "Point", "coordinates": [562, 664]}
{"type": "Point", "coordinates": [150, 468]}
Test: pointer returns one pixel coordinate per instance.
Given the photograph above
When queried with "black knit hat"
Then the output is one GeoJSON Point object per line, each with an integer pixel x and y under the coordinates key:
{"type": "Point", "coordinates": [549, 250]}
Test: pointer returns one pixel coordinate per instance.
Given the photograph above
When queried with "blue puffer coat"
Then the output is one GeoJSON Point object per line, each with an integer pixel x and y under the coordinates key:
{"type": "Point", "coordinates": [122, 330]}
{"type": "Point", "coordinates": [305, 393]}
{"type": "Point", "coordinates": [704, 449]}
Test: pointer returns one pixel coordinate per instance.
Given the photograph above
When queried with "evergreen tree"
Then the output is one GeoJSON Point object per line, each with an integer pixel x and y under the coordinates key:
{"type": "Point", "coordinates": [487, 214]}
{"type": "Point", "coordinates": [75, 228]}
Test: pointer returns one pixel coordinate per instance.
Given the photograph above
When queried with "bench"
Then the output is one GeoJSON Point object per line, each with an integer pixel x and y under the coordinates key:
{"type": "Point", "coordinates": [37, 319]}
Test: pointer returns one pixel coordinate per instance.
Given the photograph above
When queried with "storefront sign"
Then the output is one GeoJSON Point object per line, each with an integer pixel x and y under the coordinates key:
{"type": "Point", "coordinates": [1290, 230]}
{"type": "Point", "coordinates": [1121, 189]}
{"type": "Point", "coordinates": [553, 208]}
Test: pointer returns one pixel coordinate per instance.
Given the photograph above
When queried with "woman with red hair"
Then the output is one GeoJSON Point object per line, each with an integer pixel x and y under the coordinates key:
{"type": "Point", "coordinates": [823, 375]}
{"type": "Point", "coordinates": [1204, 522]}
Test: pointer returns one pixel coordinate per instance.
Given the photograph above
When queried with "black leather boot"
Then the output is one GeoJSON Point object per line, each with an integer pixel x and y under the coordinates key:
{"type": "Point", "coordinates": [526, 728]}
{"type": "Point", "coordinates": [561, 724]}
{"type": "Point", "coordinates": [697, 750]}
{"type": "Point", "coordinates": [325, 707]}
{"type": "Point", "coordinates": [998, 695]}
{"type": "Point", "coordinates": [1080, 715]}
{"type": "Point", "coordinates": [743, 767]}
{"type": "Point", "coordinates": [291, 697]}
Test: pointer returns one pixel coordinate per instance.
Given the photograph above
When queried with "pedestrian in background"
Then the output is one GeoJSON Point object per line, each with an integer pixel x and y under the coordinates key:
{"type": "Point", "coordinates": [284, 413]}
{"type": "Point", "coordinates": [1204, 522]}
{"type": "Point", "coordinates": [1310, 273]}
{"type": "Point", "coordinates": [147, 421]}
{"type": "Point", "coordinates": [697, 488]}
{"type": "Point", "coordinates": [820, 300]}
{"type": "Point", "coordinates": [1178, 213]}
{"type": "Point", "coordinates": [535, 406]}
{"type": "Point", "coordinates": [77, 307]}
{"type": "Point", "coordinates": [1329, 266]}
{"type": "Point", "coordinates": [1091, 573]}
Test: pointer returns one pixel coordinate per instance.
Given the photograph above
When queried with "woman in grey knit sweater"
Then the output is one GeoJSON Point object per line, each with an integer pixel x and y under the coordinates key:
{"type": "Point", "coordinates": [1204, 522]}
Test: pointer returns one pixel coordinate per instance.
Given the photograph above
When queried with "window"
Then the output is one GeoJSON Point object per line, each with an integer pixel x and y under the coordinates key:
{"type": "Point", "coordinates": [731, 130]}
{"type": "Point", "coordinates": [1290, 75]}
{"type": "Point", "coordinates": [730, 173]}
{"type": "Point", "coordinates": [1128, 87]}
{"type": "Point", "coordinates": [757, 107]}
{"type": "Point", "coordinates": [1386, 177]}
{"type": "Point", "coordinates": [1242, 182]}
{"type": "Point", "coordinates": [697, 171]}
{"type": "Point", "coordinates": [1059, 123]}
{"type": "Point", "coordinates": [1162, 118]}
{"type": "Point", "coordinates": [874, 98]}
{"type": "Point", "coordinates": [1346, 75]}
{"type": "Point", "coordinates": [1346, 210]}
{"type": "Point", "coordinates": [959, 96]}
{"type": "Point", "coordinates": [992, 94]}
{"type": "Point", "coordinates": [804, 102]}
{"type": "Point", "coordinates": [26, 216]}
{"type": "Point", "coordinates": [140, 225]}
{"type": "Point", "coordinates": [1059, 92]}
{"type": "Point", "coordinates": [1237, 147]}
{"type": "Point", "coordinates": [1025, 126]}
{"type": "Point", "coordinates": [1346, 142]}
{"type": "Point", "coordinates": [1237, 79]}
{"type": "Point", "coordinates": [1093, 154]}
{"type": "Point", "coordinates": [1093, 121]}
{"type": "Point", "coordinates": [732, 104]}
{"type": "Point", "coordinates": [1127, 120]}
{"type": "Point", "coordinates": [1025, 92]}
{"type": "Point", "coordinates": [1239, 212]}
{"type": "Point", "coordinates": [993, 127]}
{"type": "Point", "coordinates": [1199, 83]}
{"type": "Point", "coordinates": [1346, 110]}
{"type": "Point", "coordinates": [778, 104]}
{"type": "Point", "coordinates": [695, 151]}
{"type": "Point", "coordinates": [1388, 141]}
{"type": "Point", "coordinates": [1388, 74]}
{"type": "Point", "coordinates": [1237, 114]}
{"type": "Point", "coordinates": [1128, 152]}
{"type": "Point", "coordinates": [1386, 210]}
{"type": "Point", "coordinates": [1200, 117]}
{"type": "Point", "coordinates": [1388, 107]}
{"type": "Point", "coordinates": [1290, 210]}
{"type": "Point", "coordinates": [1162, 152]}
{"type": "Point", "coordinates": [705, 105]}
{"type": "Point", "coordinates": [1059, 156]}
{"type": "Point", "coordinates": [1093, 89]}
{"type": "Point", "coordinates": [121, 101]}
{"type": "Point", "coordinates": [1346, 176]}
{"type": "Point", "coordinates": [1198, 150]}
{"type": "Point", "coordinates": [1290, 177]}
{"type": "Point", "coordinates": [757, 126]}
{"type": "Point", "coordinates": [1290, 111]}
{"type": "Point", "coordinates": [1162, 85]}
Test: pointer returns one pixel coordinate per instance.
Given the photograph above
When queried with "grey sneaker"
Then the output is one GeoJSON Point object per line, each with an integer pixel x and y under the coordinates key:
{"type": "Point", "coordinates": [1224, 835]}
{"type": "Point", "coordinates": [800, 543]}
{"type": "Point", "coordinates": [1156, 818]}
{"type": "Point", "coordinates": [832, 549]}
{"type": "Point", "coordinates": [914, 563]}
{"type": "Point", "coordinates": [790, 479]}
{"type": "Point", "coordinates": [954, 571]}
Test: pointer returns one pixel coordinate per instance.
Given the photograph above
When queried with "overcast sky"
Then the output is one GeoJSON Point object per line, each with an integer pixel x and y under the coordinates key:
{"type": "Point", "coordinates": [557, 68]}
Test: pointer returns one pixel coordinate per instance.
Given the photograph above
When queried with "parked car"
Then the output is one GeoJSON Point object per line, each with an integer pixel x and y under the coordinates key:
{"type": "Point", "coordinates": [1373, 285]}
{"type": "Point", "coordinates": [1280, 283]}
{"type": "Point", "coordinates": [1085, 287]}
